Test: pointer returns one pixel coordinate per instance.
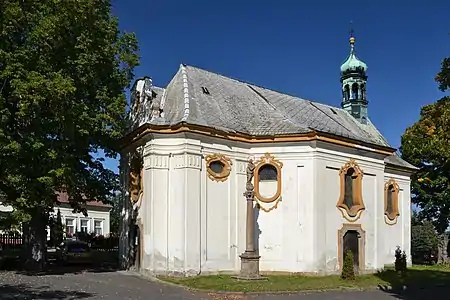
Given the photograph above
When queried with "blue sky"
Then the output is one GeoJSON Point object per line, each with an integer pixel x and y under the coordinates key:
{"type": "Point", "coordinates": [297, 47]}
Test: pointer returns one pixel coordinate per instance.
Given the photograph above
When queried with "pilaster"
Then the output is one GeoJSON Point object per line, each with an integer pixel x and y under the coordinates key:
{"type": "Point", "coordinates": [155, 211]}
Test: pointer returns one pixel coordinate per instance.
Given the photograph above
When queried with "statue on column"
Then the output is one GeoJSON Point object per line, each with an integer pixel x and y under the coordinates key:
{"type": "Point", "coordinates": [250, 173]}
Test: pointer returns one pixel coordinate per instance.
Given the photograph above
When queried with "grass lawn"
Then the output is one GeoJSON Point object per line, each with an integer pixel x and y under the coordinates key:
{"type": "Point", "coordinates": [417, 276]}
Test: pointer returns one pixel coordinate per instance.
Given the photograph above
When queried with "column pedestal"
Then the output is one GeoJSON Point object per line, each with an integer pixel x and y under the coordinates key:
{"type": "Point", "coordinates": [250, 258]}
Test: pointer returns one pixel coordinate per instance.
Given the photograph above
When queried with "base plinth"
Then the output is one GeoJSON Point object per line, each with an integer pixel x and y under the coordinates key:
{"type": "Point", "coordinates": [249, 267]}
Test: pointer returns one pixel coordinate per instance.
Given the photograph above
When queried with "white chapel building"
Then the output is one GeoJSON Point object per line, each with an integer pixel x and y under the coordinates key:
{"type": "Point", "coordinates": [325, 179]}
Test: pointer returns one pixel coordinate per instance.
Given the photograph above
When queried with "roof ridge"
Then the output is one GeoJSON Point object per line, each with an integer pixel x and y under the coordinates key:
{"type": "Point", "coordinates": [185, 92]}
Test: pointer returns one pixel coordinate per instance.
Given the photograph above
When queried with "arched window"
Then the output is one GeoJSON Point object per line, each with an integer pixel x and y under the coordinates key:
{"type": "Point", "coordinates": [350, 201]}
{"type": "Point", "coordinates": [346, 92]}
{"type": "Point", "coordinates": [268, 179]}
{"type": "Point", "coordinates": [218, 167]}
{"type": "Point", "coordinates": [267, 172]}
{"type": "Point", "coordinates": [363, 91]}
{"type": "Point", "coordinates": [349, 183]}
{"type": "Point", "coordinates": [355, 91]}
{"type": "Point", "coordinates": [391, 205]}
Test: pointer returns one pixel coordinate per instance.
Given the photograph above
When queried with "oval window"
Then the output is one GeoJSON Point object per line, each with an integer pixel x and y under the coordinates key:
{"type": "Point", "coordinates": [267, 183]}
{"type": "Point", "coordinates": [217, 166]}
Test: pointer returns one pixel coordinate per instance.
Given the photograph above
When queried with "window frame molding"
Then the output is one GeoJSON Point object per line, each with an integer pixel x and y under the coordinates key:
{"type": "Point", "coordinates": [354, 213]}
{"type": "Point", "coordinates": [225, 160]}
{"type": "Point", "coordinates": [88, 227]}
{"type": "Point", "coordinates": [267, 159]}
{"type": "Point", "coordinates": [391, 218]}
{"type": "Point", "coordinates": [101, 226]}
{"type": "Point", "coordinates": [74, 225]}
{"type": "Point", "coordinates": [361, 245]}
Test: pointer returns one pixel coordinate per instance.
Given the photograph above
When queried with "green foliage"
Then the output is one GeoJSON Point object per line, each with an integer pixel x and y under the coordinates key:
{"type": "Point", "coordinates": [443, 77]}
{"type": "Point", "coordinates": [426, 145]}
{"type": "Point", "coordinates": [400, 261]}
{"type": "Point", "coordinates": [348, 271]}
{"type": "Point", "coordinates": [424, 243]}
{"type": "Point", "coordinates": [64, 68]}
{"type": "Point", "coordinates": [415, 219]}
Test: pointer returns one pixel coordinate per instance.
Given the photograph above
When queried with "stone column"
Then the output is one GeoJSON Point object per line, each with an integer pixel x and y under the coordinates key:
{"type": "Point", "coordinates": [250, 258]}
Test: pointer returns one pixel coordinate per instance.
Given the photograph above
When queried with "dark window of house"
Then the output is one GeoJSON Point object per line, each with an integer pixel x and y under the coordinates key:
{"type": "Point", "coordinates": [267, 173]}
{"type": "Point", "coordinates": [217, 166]}
{"type": "Point", "coordinates": [349, 185]}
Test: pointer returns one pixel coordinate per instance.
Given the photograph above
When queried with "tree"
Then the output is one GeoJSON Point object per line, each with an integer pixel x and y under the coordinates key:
{"type": "Point", "coordinates": [426, 145]}
{"type": "Point", "coordinates": [64, 67]}
{"type": "Point", "coordinates": [424, 243]}
{"type": "Point", "coordinates": [115, 215]}
{"type": "Point", "coordinates": [348, 269]}
{"type": "Point", "coordinates": [415, 219]}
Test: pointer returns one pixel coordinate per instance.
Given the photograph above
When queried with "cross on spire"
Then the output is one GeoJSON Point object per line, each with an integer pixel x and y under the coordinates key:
{"type": "Point", "coordinates": [352, 37]}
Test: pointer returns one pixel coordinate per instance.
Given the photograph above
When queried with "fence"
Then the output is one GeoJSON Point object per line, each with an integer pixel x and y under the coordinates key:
{"type": "Point", "coordinates": [14, 241]}
{"type": "Point", "coordinates": [11, 240]}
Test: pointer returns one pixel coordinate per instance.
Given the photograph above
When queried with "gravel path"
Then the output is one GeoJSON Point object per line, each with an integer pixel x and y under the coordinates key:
{"type": "Point", "coordinates": [121, 286]}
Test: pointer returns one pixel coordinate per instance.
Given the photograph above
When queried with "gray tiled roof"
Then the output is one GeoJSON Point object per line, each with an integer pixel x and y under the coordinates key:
{"type": "Point", "coordinates": [396, 160]}
{"type": "Point", "coordinates": [237, 106]}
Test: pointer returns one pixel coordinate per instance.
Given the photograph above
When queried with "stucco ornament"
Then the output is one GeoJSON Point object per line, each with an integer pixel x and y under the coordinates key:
{"type": "Point", "coordinates": [268, 161]}
{"type": "Point", "coordinates": [136, 183]}
{"type": "Point", "coordinates": [218, 167]}
{"type": "Point", "coordinates": [351, 212]}
{"type": "Point", "coordinates": [391, 205]}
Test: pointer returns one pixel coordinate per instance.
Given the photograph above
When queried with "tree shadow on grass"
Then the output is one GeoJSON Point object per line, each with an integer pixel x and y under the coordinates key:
{"type": "Point", "coordinates": [22, 291]}
{"type": "Point", "coordinates": [416, 283]}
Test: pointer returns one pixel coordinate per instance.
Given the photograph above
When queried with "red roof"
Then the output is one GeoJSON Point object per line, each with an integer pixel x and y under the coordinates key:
{"type": "Point", "coordinates": [63, 197]}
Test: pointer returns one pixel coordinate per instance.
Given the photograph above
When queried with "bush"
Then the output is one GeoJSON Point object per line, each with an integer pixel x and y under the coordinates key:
{"type": "Point", "coordinates": [348, 271]}
{"type": "Point", "coordinates": [400, 261]}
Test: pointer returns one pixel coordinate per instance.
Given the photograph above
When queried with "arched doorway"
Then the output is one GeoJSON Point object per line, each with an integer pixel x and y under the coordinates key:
{"type": "Point", "coordinates": [352, 237]}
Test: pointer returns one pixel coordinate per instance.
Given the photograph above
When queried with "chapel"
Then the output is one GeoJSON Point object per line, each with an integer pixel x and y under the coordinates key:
{"type": "Point", "coordinates": [325, 179]}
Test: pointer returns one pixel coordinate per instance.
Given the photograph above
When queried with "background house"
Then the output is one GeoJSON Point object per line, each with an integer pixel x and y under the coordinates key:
{"type": "Point", "coordinates": [97, 219]}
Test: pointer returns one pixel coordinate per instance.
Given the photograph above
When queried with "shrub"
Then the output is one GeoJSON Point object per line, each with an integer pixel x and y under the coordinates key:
{"type": "Point", "coordinates": [400, 261]}
{"type": "Point", "coordinates": [348, 271]}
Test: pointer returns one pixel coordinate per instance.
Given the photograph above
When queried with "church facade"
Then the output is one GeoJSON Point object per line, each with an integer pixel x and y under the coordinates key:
{"type": "Point", "coordinates": [325, 179]}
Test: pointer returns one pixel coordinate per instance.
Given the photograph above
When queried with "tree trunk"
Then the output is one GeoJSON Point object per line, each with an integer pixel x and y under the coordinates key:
{"type": "Point", "coordinates": [442, 249]}
{"type": "Point", "coordinates": [35, 239]}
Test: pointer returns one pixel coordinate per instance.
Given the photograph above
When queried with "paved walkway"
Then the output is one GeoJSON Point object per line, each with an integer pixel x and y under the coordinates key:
{"type": "Point", "coordinates": [121, 286]}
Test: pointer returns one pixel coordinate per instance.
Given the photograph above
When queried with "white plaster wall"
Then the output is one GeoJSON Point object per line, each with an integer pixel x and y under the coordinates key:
{"type": "Point", "coordinates": [193, 225]}
{"type": "Point", "coordinates": [330, 219]}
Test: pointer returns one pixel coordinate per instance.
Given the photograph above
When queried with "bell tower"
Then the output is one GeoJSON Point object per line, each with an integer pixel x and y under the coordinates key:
{"type": "Point", "coordinates": [353, 81]}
